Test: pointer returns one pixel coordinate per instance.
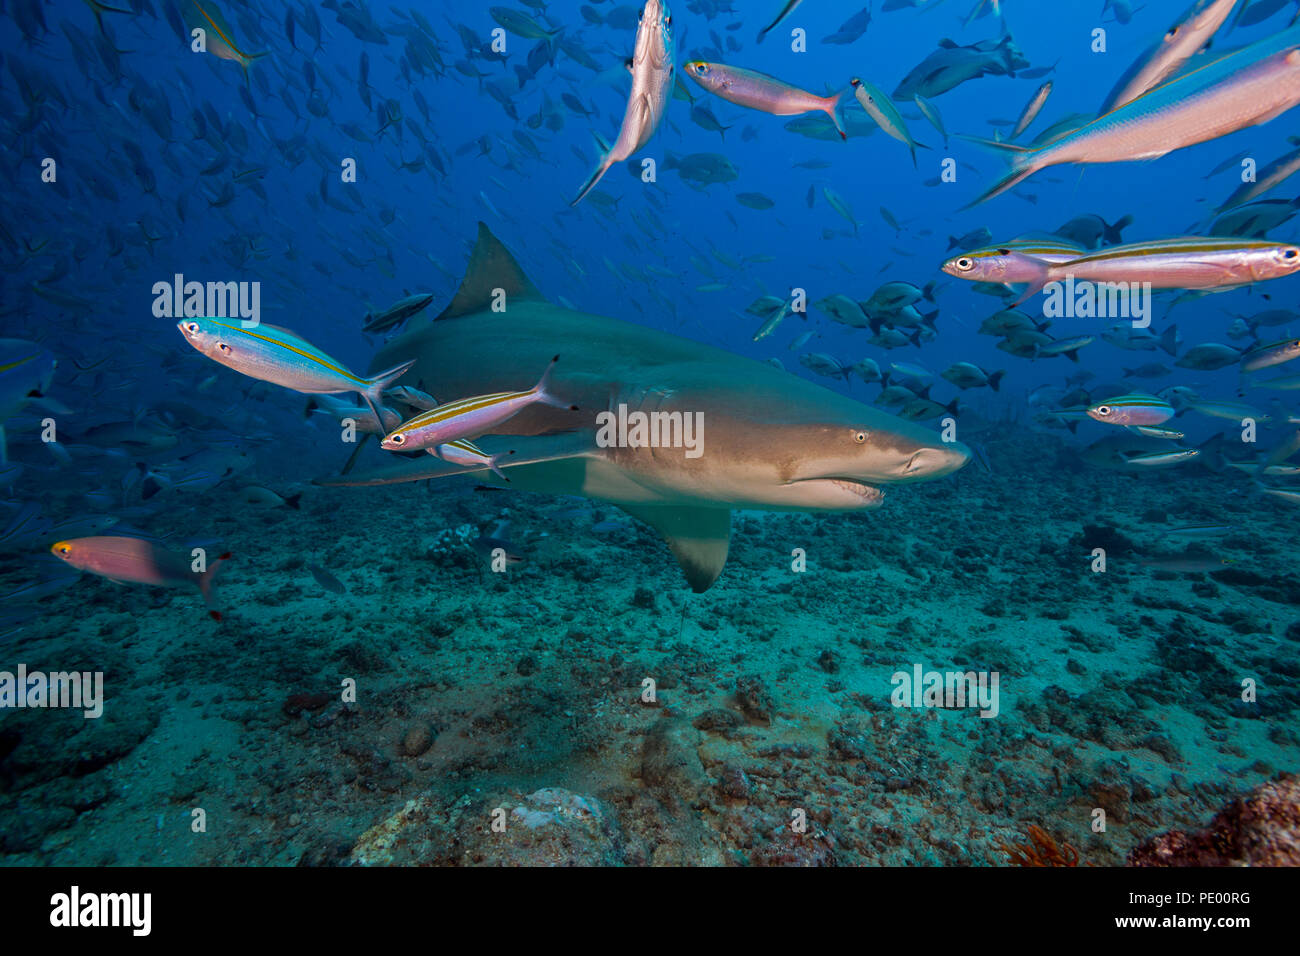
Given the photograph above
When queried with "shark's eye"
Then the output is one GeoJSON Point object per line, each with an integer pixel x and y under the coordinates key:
{"type": "Point", "coordinates": [860, 437]}
{"type": "Point", "coordinates": [965, 264]}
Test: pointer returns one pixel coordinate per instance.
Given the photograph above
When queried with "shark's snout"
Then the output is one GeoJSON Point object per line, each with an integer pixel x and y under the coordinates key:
{"type": "Point", "coordinates": [935, 461]}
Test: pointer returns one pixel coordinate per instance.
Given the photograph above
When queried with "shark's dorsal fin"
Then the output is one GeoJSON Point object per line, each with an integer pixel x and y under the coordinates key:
{"type": "Point", "coordinates": [699, 538]}
{"type": "Point", "coordinates": [491, 267]}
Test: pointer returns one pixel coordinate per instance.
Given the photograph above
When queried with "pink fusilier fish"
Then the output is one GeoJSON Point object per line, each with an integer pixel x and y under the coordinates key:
{"type": "Point", "coordinates": [758, 91]}
{"type": "Point", "coordinates": [651, 67]}
{"type": "Point", "coordinates": [1245, 88]}
{"type": "Point", "coordinates": [465, 452]}
{"type": "Point", "coordinates": [1207, 263]}
{"type": "Point", "coordinates": [1183, 40]}
{"type": "Point", "coordinates": [1132, 410]}
{"type": "Point", "coordinates": [470, 417]}
{"type": "Point", "coordinates": [1016, 261]}
{"type": "Point", "coordinates": [135, 561]}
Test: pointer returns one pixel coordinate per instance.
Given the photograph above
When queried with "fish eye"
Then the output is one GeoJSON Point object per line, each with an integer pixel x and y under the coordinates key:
{"type": "Point", "coordinates": [223, 346]}
{"type": "Point", "coordinates": [1173, 32]}
{"type": "Point", "coordinates": [192, 328]}
{"type": "Point", "coordinates": [860, 437]}
{"type": "Point", "coordinates": [1290, 253]}
{"type": "Point", "coordinates": [965, 264]}
{"type": "Point", "coordinates": [397, 439]}
{"type": "Point", "coordinates": [1103, 409]}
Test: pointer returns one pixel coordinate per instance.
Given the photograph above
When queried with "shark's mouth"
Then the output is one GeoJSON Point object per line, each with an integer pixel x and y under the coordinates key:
{"type": "Point", "coordinates": [869, 494]}
{"type": "Point", "coordinates": [860, 488]}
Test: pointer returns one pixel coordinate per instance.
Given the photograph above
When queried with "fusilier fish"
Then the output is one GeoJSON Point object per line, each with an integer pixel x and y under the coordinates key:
{"type": "Point", "coordinates": [882, 109]}
{"type": "Point", "coordinates": [1266, 356]}
{"type": "Point", "coordinates": [470, 417]}
{"type": "Point", "coordinates": [276, 355]}
{"type": "Point", "coordinates": [1132, 410]}
{"type": "Point", "coordinates": [1184, 39]}
{"type": "Point", "coordinates": [765, 93]}
{"type": "Point", "coordinates": [652, 83]}
{"type": "Point", "coordinates": [1245, 88]}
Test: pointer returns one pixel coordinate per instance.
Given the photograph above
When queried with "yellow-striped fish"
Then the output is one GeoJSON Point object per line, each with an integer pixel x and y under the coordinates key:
{"type": "Point", "coordinates": [276, 355]}
{"type": "Point", "coordinates": [470, 417]}
{"type": "Point", "coordinates": [219, 39]}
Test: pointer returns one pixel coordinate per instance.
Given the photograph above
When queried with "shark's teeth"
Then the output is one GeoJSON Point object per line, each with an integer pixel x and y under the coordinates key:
{"type": "Point", "coordinates": [864, 491]}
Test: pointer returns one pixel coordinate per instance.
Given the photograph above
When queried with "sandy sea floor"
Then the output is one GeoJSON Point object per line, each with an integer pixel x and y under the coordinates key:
{"type": "Point", "coordinates": [503, 718]}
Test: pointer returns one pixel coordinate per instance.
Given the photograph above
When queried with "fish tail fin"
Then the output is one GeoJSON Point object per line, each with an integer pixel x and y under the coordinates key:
{"type": "Point", "coordinates": [595, 177]}
{"type": "Point", "coordinates": [205, 585]}
{"type": "Point", "coordinates": [1022, 167]}
{"type": "Point", "coordinates": [1169, 340]}
{"type": "Point", "coordinates": [995, 380]}
{"type": "Point", "coordinates": [494, 464]}
{"type": "Point", "coordinates": [543, 393]}
{"type": "Point", "coordinates": [1110, 235]}
{"type": "Point", "coordinates": [835, 109]}
{"type": "Point", "coordinates": [293, 501]}
{"type": "Point", "coordinates": [375, 387]}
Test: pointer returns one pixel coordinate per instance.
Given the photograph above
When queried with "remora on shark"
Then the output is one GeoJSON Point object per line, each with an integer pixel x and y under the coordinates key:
{"type": "Point", "coordinates": [776, 442]}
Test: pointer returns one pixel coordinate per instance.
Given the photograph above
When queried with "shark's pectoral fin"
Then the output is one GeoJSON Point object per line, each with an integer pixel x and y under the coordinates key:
{"type": "Point", "coordinates": [698, 538]}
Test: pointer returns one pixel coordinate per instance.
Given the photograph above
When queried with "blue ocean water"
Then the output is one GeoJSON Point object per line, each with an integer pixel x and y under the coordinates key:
{"type": "Point", "coordinates": [341, 157]}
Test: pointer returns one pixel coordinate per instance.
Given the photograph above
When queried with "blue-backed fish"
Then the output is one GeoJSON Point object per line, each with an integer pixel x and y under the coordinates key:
{"type": "Point", "coordinates": [276, 355]}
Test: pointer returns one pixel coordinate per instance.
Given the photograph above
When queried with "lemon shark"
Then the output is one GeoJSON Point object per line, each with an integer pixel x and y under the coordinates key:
{"type": "Point", "coordinates": [766, 439]}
